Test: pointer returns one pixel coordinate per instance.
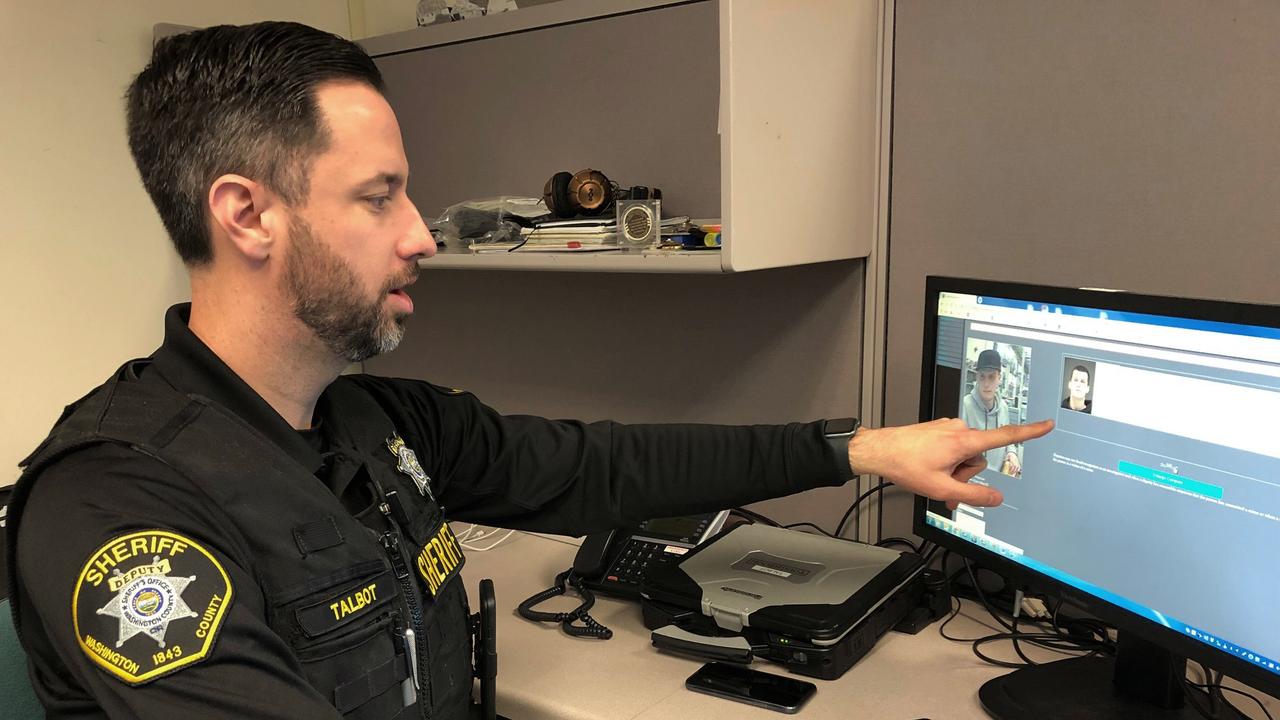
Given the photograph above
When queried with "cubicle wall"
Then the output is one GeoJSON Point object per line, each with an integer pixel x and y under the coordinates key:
{"type": "Point", "coordinates": [1130, 145]}
{"type": "Point", "coordinates": [500, 115]}
{"type": "Point", "coordinates": [767, 346]}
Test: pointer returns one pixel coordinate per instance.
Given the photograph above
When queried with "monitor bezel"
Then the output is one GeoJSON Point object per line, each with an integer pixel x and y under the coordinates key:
{"type": "Point", "coordinates": [1124, 620]}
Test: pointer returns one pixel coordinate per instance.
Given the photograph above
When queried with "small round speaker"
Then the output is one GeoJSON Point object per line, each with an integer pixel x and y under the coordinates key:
{"type": "Point", "coordinates": [638, 222]}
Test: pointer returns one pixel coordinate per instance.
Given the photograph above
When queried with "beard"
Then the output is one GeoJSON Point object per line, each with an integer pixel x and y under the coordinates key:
{"type": "Point", "coordinates": [327, 298]}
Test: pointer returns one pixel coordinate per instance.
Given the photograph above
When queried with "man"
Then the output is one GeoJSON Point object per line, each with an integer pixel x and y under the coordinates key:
{"type": "Point", "coordinates": [229, 528]}
{"type": "Point", "coordinates": [1077, 390]}
{"type": "Point", "coordinates": [984, 409]}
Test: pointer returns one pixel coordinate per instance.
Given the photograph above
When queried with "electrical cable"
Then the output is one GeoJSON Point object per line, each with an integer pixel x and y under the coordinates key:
{"type": "Point", "coordinates": [1252, 697]}
{"type": "Point", "coordinates": [1192, 692]}
{"type": "Point", "coordinates": [496, 543]}
{"type": "Point", "coordinates": [942, 629]}
{"type": "Point", "coordinates": [1213, 688]}
{"type": "Point", "coordinates": [877, 488]}
{"type": "Point", "coordinates": [1053, 638]}
{"type": "Point", "coordinates": [942, 566]}
{"type": "Point", "coordinates": [928, 554]}
{"type": "Point", "coordinates": [983, 597]}
{"type": "Point", "coordinates": [754, 516]}
{"type": "Point", "coordinates": [815, 527]}
{"type": "Point", "coordinates": [1013, 632]}
{"type": "Point", "coordinates": [886, 542]}
{"type": "Point", "coordinates": [462, 536]}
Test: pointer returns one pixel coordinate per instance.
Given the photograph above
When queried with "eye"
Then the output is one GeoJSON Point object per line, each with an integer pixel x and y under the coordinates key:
{"type": "Point", "coordinates": [379, 202]}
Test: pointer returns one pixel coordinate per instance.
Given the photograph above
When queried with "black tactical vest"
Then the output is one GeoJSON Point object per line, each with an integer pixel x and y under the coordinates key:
{"type": "Point", "coordinates": [307, 550]}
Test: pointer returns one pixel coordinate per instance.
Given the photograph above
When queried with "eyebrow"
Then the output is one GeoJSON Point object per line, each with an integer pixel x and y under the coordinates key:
{"type": "Point", "coordinates": [392, 180]}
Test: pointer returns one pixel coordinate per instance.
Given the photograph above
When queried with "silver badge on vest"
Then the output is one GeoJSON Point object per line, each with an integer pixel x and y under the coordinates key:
{"type": "Point", "coordinates": [408, 464]}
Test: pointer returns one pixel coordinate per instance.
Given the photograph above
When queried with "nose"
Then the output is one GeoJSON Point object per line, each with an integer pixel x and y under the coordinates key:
{"type": "Point", "coordinates": [417, 242]}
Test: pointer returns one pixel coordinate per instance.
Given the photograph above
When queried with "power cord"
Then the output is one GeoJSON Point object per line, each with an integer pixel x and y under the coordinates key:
{"type": "Point", "coordinates": [917, 549]}
{"type": "Point", "coordinates": [849, 513]}
{"type": "Point", "coordinates": [757, 517]}
{"type": "Point", "coordinates": [470, 536]}
{"type": "Point", "coordinates": [815, 527]}
{"type": "Point", "coordinates": [754, 516]}
{"type": "Point", "coordinates": [1213, 688]}
{"type": "Point", "coordinates": [471, 546]}
{"type": "Point", "coordinates": [1051, 635]}
{"type": "Point", "coordinates": [1086, 635]}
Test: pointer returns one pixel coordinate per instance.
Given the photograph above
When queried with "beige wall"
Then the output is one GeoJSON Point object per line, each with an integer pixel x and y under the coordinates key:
{"type": "Point", "coordinates": [88, 268]}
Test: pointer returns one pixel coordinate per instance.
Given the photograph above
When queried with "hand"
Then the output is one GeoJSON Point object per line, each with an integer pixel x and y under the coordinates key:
{"type": "Point", "coordinates": [937, 459]}
{"type": "Point", "coordinates": [1013, 464]}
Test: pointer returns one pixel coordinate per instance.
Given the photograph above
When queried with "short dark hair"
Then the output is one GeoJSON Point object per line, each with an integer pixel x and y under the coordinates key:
{"type": "Point", "coordinates": [233, 99]}
{"type": "Point", "coordinates": [1080, 368]}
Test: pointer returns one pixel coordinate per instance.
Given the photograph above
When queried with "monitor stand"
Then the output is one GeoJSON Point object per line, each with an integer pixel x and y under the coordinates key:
{"type": "Point", "coordinates": [1143, 682]}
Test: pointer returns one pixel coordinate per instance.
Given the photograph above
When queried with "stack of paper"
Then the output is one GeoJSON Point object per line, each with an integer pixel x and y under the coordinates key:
{"type": "Point", "coordinates": [588, 231]}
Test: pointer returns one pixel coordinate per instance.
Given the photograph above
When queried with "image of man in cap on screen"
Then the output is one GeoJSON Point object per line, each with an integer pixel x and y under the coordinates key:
{"type": "Point", "coordinates": [983, 409]}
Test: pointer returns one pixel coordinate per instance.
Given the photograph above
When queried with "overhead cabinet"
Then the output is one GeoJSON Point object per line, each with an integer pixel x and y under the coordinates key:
{"type": "Point", "coordinates": [764, 114]}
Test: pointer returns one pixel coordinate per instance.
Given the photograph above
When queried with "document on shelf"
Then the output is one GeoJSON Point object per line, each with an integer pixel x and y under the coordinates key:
{"type": "Point", "coordinates": [489, 248]}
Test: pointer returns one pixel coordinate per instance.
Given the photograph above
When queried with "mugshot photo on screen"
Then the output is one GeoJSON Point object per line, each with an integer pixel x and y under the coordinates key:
{"type": "Point", "coordinates": [1077, 384]}
{"type": "Point", "coordinates": [994, 394]}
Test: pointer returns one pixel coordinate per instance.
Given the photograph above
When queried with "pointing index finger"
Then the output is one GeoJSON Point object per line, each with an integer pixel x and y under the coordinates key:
{"type": "Point", "coordinates": [1007, 435]}
{"type": "Point", "coordinates": [974, 494]}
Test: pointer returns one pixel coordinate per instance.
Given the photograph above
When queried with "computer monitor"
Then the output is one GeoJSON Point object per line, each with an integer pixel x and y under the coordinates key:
{"type": "Point", "coordinates": [1155, 502]}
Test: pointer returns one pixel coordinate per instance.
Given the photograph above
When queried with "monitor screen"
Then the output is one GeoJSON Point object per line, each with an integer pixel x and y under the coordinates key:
{"type": "Point", "coordinates": [1156, 499]}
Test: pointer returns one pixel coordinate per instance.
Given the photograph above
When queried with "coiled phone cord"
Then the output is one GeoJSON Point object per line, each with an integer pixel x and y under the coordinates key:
{"type": "Point", "coordinates": [589, 627]}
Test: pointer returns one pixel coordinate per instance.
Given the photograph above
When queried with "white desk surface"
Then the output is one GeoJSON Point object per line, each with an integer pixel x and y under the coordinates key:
{"type": "Point", "coordinates": [543, 673]}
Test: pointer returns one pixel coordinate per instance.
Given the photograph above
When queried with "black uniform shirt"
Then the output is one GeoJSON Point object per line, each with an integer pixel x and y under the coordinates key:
{"type": "Point", "coordinates": [512, 471]}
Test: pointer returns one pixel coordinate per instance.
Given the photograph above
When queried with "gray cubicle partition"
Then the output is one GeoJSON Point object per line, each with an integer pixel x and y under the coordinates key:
{"type": "Point", "coordinates": [504, 113]}
{"type": "Point", "coordinates": [1130, 145]}
{"type": "Point", "coordinates": [634, 95]}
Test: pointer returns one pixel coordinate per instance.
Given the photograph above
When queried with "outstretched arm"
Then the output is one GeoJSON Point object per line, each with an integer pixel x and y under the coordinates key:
{"type": "Point", "coordinates": [938, 458]}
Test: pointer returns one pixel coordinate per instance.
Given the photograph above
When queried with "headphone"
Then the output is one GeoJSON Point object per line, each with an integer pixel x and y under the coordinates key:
{"type": "Point", "coordinates": [588, 192]}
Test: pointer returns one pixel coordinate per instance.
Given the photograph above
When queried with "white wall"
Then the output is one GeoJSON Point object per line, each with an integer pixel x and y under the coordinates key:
{"type": "Point", "coordinates": [88, 267]}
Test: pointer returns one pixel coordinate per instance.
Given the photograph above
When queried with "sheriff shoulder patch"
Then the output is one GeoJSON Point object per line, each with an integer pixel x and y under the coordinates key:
{"type": "Point", "coordinates": [148, 603]}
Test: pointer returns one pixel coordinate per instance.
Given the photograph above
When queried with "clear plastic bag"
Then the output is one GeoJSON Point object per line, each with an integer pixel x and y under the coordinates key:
{"type": "Point", "coordinates": [486, 221]}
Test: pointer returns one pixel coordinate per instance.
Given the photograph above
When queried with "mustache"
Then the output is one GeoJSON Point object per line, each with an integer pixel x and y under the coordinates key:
{"type": "Point", "coordinates": [408, 277]}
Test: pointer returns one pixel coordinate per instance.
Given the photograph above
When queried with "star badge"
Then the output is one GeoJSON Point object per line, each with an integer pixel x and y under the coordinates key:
{"type": "Point", "coordinates": [408, 464]}
{"type": "Point", "coordinates": [148, 604]}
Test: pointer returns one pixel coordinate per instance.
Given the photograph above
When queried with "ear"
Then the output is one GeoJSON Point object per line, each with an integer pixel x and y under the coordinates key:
{"type": "Point", "coordinates": [247, 213]}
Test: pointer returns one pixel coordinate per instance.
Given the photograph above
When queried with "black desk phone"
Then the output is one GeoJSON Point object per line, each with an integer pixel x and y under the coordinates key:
{"type": "Point", "coordinates": [614, 562]}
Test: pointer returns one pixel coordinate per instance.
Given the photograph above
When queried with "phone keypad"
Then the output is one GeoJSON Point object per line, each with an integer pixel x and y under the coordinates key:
{"type": "Point", "coordinates": [636, 555]}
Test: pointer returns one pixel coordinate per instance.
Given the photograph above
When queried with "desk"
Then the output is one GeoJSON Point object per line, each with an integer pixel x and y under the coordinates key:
{"type": "Point", "coordinates": [543, 673]}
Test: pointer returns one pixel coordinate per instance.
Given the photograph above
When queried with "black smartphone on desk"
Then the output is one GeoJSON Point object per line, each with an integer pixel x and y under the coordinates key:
{"type": "Point", "coordinates": [615, 562]}
{"type": "Point", "coordinates": [753, 687]}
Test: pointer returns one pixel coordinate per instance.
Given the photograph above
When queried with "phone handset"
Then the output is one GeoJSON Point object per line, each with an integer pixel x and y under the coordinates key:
{"type": "Point", "coordinates": [593, 555]}
{"type": "Point", "coordinates": [591, 561]}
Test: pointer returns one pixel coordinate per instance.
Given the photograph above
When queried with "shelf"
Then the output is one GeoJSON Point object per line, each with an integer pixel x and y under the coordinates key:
{"type": "Point", "coordinates": [768, 118]}
{"type": "Point", "coordinates": [533, 17]}
{"type": "Point", "coordinates": [622, 261]}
